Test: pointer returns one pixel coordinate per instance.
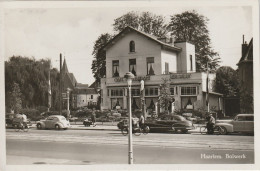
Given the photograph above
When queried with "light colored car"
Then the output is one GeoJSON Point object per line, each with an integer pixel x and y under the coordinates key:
{"type": "Point", "coordinates": [53, 122]}
{"type": "Point", "coordinates": [241, 123]}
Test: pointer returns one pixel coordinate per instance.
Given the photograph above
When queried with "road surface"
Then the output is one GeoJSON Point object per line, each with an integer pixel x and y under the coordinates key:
{"type": "Point", "coordinates": [82, 147]}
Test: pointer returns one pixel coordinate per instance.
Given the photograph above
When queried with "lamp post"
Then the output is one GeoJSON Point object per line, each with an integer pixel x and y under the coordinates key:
{"type": "Point", "coordinates": [68, 101]}
{"type": "Point", "coordinates": [129, 76]}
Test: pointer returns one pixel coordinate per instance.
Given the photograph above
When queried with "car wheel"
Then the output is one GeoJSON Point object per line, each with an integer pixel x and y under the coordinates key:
{"type": "Point", "coordinates": [185, 131]}
{"type": "Point", "coordinates": [57, 127]}
{"type": "Point", "coordinates": [222, 130]}
{"type": "Point", "coordinates": [178, 131]}
{"type": "Point", "coordinates": [39, 126]}
{"type": "Point", "coordinates": [146, 130]}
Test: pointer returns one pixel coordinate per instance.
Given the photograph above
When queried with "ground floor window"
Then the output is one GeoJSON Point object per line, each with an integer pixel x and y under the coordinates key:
{"type": "Point", "coordinates": [151, 91]}
{"type": "Point", "coordinates": [188, 102]}
{"type": "Point", "coordinates": [117, 92]}
{"type": "Point", "coordinates": [116, 103]}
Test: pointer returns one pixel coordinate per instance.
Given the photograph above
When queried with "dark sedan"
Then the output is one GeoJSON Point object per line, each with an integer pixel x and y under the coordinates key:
{"type": "Point", "coordinates": [175, 123]}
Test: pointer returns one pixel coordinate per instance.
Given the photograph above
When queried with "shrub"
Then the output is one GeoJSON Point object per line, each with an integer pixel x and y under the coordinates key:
{"type": "Point", "coordinates": [32, 114]}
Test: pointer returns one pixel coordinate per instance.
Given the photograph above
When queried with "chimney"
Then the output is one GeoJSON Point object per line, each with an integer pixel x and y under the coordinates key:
{"type": "Point", "coordinates": [244, 46]}
{"type": "Point", "coordinates": [172, 40]}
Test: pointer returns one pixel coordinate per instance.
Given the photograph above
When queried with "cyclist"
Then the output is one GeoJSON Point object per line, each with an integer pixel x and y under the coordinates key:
{"type": "Point", "coordinates": [141, 121]}
{"type": "Point", "coordinates": [23, 121]}
{"type": "Point", "coordinates": [210, 124]}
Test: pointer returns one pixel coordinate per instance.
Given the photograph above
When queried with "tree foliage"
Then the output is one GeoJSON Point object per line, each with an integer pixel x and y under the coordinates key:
{"type": "Point", "coordinates": [165, 98]}
{"type": "Point", "coordinates": [99, 62]}
{"type": "Point", "coordinates": [227, 81]}
{"type": "Point", "coordinates": [31, 76]}
{"type": "Point", "coordinates": [192, 27]}
{"type": "Point", "coordinates": [15, 101]}
{"type": "Point", "coordinates": [145, 21]}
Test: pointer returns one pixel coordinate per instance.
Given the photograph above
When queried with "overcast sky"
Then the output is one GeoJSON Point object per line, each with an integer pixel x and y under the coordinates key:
{"type": "Point", "coordinates": [47, 32]}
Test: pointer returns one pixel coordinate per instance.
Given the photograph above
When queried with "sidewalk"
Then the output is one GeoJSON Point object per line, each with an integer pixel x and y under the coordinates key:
{"type": "Point", "coordinates": [109, 127]}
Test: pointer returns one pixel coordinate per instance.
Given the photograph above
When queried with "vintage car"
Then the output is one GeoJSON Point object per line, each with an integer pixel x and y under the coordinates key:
{"type": "Point", "coordinates": [12, 120]}
{"type": "Point", "coordinates": [174, 123]}
{"type": "Point", "coordinates": [53, 122]}
{"type": "Point", "coordinates": [241, 123]}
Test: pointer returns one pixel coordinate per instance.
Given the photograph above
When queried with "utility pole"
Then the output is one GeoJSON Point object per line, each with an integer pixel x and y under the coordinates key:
{"type": "Point", "coordinates": [60, 104]}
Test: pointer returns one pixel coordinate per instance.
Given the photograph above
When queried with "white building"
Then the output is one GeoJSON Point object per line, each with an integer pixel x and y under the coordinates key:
{"type": "Point", "coordinates": [152, 59]}
{"type": "Point", "coordinates": [85, 96]}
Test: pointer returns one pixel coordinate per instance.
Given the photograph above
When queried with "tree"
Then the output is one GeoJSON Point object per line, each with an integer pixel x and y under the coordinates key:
{"type": "Point", "coordinates": [99, 62]}
{"type": "Point", "coordinates": [146, 22]}
{"type": "Point", "coordinates": [227, 81]}
{"type": "Point", "coordinates": [32, 77]}
{"type": "Point", "coordinates": [15, 100]}
{"type": "Point", "coordinates": [165, 98]}
{"type": "Point", "coordinates": [192, 27]}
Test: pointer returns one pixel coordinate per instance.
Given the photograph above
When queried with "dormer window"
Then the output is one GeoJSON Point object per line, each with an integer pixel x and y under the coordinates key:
{"type": "Point", "coordinates": [132, 46]}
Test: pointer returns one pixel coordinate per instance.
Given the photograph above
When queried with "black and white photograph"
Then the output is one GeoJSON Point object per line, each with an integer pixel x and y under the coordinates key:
{"type": "Point", "coordinates": [129, 84]}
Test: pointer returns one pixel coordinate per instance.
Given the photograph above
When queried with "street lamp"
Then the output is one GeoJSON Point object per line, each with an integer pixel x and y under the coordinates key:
{"type": "Point", "coordinates": [129, 76]}
{"type": "Point", "coordinates": [68, 101]}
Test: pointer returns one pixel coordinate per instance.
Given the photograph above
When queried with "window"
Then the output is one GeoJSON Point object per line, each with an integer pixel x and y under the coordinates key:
{"type": "Point", "coordinates": [132, 46]}
{"type": "Point", "coordinates": [191, 66]}
{"type": "Point", "coordinates": [166, 68]}
{"type": "Point", "coordinates": [117, 92]}
{"type": "Point", "coordinates": [172, 91]}
{"type": "Point", "coordinates": [116, 68]}
{"type": "Point", "coordinates": [107, 92]}
{"type": "Point", "coordinates": [91, 97]}
{"type": "Point", "coordinates": [151, 91]}
{"type": "Point", "coordinates": [132, 66]}
{"type": "Point", "coordinates": [150, 65]}
{"type": "Point", "coordinates": [188, 91]}
{"type": "Point", "coordinates": [135, 92]}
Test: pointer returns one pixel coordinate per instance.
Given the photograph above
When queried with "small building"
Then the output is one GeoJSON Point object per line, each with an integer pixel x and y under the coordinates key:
{"type": "Point", "coordinates": [153, 59]}
{"type": "Point", "coordinates": [85, 96]}
{"type": "Point", "coordinates": [245, 69]}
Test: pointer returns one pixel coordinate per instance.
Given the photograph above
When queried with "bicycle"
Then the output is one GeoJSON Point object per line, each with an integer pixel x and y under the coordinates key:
{"type": "Point", "coordinates": [217, 130]}
{"type": "Point", "coordinates": [136, 131]}
{"type": "Point", "coordinates": [19, 127]}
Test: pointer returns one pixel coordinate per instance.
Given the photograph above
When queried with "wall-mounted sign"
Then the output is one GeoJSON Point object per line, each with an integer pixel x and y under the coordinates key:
{"type": "Point", "coordinates": [180, 76]}
{"type": "Point", "coordinates": [138, 78]}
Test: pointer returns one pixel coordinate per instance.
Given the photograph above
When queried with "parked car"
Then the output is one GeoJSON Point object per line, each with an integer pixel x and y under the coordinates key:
{"type": "Point", "coordinates": [241, 123]}
{"type": "Point", "coordinates": [53, 122]}
{"type": "Point", "coordinates": [175, 123]}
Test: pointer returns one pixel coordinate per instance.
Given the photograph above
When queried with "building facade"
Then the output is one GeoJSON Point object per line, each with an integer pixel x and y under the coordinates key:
{"type": "Point", "coordinates": [152, 60]}
{"type": "Point", "coordinates": [245, 70]}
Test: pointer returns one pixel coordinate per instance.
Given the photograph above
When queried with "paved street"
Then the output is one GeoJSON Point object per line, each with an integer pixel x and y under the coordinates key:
{"type": "Point", "coordinates": [98, 146]}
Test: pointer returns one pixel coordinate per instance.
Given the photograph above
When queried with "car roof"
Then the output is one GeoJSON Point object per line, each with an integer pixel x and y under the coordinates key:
{"type": "Point", "coordinates": [58, 116]}
{"type": "Point", "coordinates": [245, 115]}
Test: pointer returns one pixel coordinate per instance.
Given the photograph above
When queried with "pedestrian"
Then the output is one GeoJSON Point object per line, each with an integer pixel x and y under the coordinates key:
{"type": "Point", "coordinates": [93, 118]}
{"type": "Point", "coordinates": [210, 124]}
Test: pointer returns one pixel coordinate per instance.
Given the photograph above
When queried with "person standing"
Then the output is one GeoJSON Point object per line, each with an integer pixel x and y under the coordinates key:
{"type": "Point", "coordinates": [93, 118]}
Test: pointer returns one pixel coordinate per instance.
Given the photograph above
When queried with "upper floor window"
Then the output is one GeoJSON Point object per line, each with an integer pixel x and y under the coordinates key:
{"type": "Point", "coordinates": [91, 96]}
{"type": "Point", "coordinates": [132, 66]}
{"type": "Point", "coordinates": [117, 92]}
{"type": "Point", "coordinates": [191, 64]}
{"type": "Point", "coordinates": [115, 68]}
{"type": "Point", "coordinates": [150, 65]}
{"type": "Point", "coordinates": [166, 68]}
{"type": "Point", "coordinates": [135, 92]}
{"type": "Point", "coordinates": [132, 46]}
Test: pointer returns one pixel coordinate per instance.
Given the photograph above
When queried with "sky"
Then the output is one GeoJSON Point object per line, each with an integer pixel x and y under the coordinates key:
{"type": "Point", "coordinates": [45, 32]}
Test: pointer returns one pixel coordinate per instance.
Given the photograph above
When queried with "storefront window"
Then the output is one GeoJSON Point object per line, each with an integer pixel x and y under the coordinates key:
{"type": "Point", "coordinates": [172, 90]}
{"type": "Point", "coordinates": [116, 68]}
{"type": "Point", "coordinates": [118, 92]}
{"type": "Point", "coordinates": [135, 92]}
{"type": "Point", "coordinates": [188, 91]}
{"type": "Point", "coordinates": [151, 91]}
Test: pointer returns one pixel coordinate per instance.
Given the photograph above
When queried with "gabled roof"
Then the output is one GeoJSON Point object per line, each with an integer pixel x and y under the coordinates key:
{"type": "Point", "coordinates": [151, 37]}
{"type": "Point", "coordinates": [248, 54]}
